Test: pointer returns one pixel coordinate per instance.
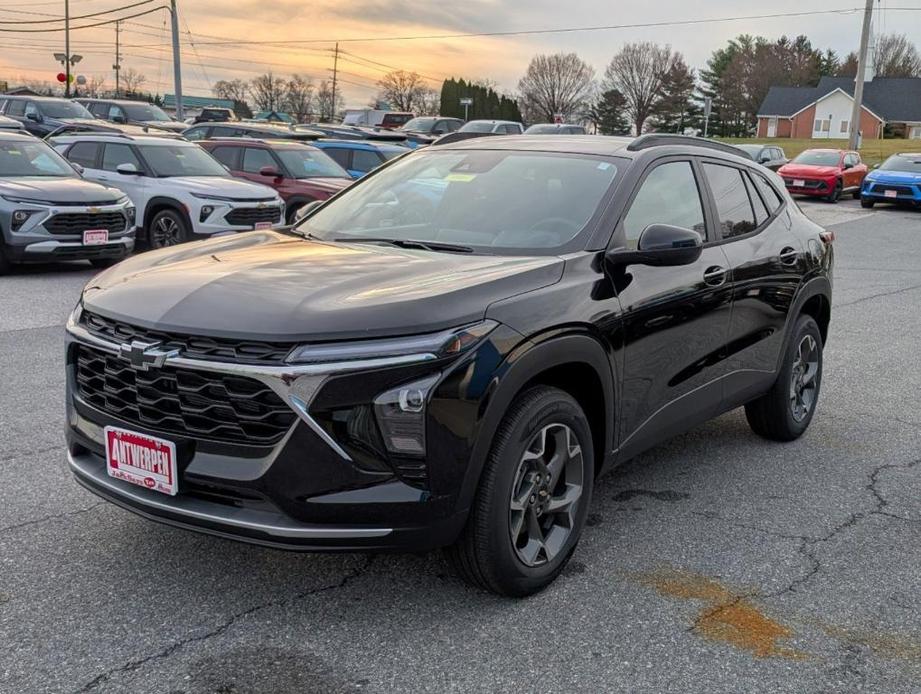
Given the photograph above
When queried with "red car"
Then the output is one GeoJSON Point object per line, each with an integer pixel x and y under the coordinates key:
{"type": "Point", "coordinates": [825, 173]}
{"type": "Point", "coordinates": [299, 172]}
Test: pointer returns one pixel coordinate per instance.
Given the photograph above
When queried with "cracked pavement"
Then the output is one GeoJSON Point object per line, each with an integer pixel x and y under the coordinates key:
{"type": "Point", "coordinates": [716, 562]}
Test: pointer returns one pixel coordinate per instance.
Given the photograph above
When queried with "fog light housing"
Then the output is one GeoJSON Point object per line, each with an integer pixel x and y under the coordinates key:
{"type": "Point", "coordinates": [206, 211]}
{"type": "Point", "coordinates": [20, 217]}
{"type": "Point", "coordinates": [400, 414]}
{"type": "Point", "coordinates": [131, 212]}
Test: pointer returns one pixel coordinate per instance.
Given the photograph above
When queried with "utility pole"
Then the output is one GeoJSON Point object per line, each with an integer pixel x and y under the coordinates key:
{"type": "Point", "coordinates": [67, 49]}
{"type": "Point", "coordinates": [118, 59]}
{"type": "Point", "coordinates": [177, 68]}
{"type": "Point", "coordinates": [332, 108]}
{"type": "Point", "coordinates": [861, 73]}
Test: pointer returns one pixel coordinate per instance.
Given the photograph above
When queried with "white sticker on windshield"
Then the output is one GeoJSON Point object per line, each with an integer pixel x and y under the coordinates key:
{"type": "Point", "coordinates": [604, 166]}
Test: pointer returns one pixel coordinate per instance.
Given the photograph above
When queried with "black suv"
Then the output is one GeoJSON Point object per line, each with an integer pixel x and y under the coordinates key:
{"type": "Point", "coordinates": [262, 131]}
{"type": "Point", "coordinates": [448, 352]}
{"type": "Point", "coordinates": [127, 112]}
{"type": "Point", "coordinates": [43, 115]}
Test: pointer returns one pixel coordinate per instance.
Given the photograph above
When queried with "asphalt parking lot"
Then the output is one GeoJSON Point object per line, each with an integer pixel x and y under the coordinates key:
{"type": "Point", "coordinates": [717, 562]}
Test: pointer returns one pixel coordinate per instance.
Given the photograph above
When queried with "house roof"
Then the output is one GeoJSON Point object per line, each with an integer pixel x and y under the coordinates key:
{"type": "Point", "coordinates": [892, 98]}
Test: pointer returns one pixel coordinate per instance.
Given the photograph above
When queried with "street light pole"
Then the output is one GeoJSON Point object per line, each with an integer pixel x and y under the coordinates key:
{"type": "Point", "coordinates": [853, 135]}
{"type": "Point", "coordinates": [67, 49]}
{"type": "Point", "coordinates": [177, 70]}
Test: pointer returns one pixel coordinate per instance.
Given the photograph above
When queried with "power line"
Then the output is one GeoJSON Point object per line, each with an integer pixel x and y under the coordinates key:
{"type": "Point", "coordinates": [61, 19]}
{"type": "Point", "coordinates": [85, 26]}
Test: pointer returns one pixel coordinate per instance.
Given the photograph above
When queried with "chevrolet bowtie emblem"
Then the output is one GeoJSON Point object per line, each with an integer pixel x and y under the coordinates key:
{"type": "Point", "coordinates": [144, 355]}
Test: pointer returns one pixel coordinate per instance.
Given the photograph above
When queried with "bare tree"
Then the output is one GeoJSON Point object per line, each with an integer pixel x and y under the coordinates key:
{"type": "Point", "coordinates": [896, 56]}
{"type": "Point", "coordinates": [39, 86]}
{"type": "Point", "coordinates": [429, 103]}
{"type": "Point", "coordinates": [402, 90]}
{"type": "Point", "coordinates": [268, 92]}
{"type": "Point", "coordinates": [299, 100]}
{"type": "Point", "coordinates": [638, 72]}
{"type": "Point", "coordinates": [233, 90]}
{"type": "Point", "coordinates": [95, 87]}
{"type": "Point", "coordinates": [560, 84]}
{"type": "Point", "coordinates": [131, 80]}
{"type": "Point", "coordinates": [327, 107]}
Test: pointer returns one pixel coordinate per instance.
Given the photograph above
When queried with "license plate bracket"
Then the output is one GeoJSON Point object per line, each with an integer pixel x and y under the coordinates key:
{"type": "Point", "coordinates": [95, 237]}
{"type": "Point", "coordinates": [147, 461]}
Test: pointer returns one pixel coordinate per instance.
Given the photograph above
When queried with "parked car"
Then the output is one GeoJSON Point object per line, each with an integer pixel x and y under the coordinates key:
{"type": "Point", "coordinates": [898, 179]}
{"type": "Point", "coordinates": [493, 127]}
{"type": "Point", "coordinates": [353, 132]}
{"type": "Point", "coordinates": [769, 156]}
{"type": "Point", "coordinates": [825, 173]}
{"type": "Point", "coordinates": [10, 125]}
{"type": "Point", "coordinates": [126, 112]}
{"type": "Point", "coordinates": [44, 115]}
{"type": "Point", "coordinates": [390, 375]}
{"type": "Point", "coordinates": [298, 172]}
{"type": "Point", "coordinates": [215, 114]}
{"type": "Point", "coordinates": [181, 192]}
{"type": "Point", "coordinates": [555, 129]}
{"type": "Point", "coordinates": [359, 157]}
{"type": "Point", "coordinates": [376, 118]}
{"type": "Point", "coordinates": [431, 126]}
{"type": "Point", "coordinates": [48, 212]}
{"type": "Point", "coordinates": [261, 131]}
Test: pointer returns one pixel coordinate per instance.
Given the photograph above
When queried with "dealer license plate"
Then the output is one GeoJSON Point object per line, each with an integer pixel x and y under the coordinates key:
{"type": "Point", "coordinates": [146, 461]}
{"type": "Point", "coordinates": [95, 237]}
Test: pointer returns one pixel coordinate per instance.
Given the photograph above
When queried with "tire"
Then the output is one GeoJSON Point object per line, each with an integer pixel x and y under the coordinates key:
{"type": "Point", "coordinates": [538, 424]}
{"type": "Point", "coordinates": [785, 411]}
{"type": "Point", "coordinates": [834, 194]}
{"type": "Point", "coordinates": [291, 214]}
{"type": "Point", "coordinates": [867, 203]}
{"type": "Point", "coordinates": [856, 194]}
{"type": "Point", "coordinates": [167, 228]}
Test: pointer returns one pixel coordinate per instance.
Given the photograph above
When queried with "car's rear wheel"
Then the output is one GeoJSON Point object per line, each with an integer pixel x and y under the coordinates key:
{"type": "Point", "coordinates": [835, 192]}
{"type": "Point", "coordinates": [167, 228]}
{"type": "Point", "coordinates": [785, 411]}
{"type": "Point", "coordinates": [533, 497]}
{"type": "Point", "coordinates": [867, 203]}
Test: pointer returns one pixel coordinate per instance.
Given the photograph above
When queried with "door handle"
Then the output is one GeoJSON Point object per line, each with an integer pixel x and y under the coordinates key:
{"type": "Point", "coordinates": [788, 256]}
{"type": "Point", "coordinates": [715, 276]}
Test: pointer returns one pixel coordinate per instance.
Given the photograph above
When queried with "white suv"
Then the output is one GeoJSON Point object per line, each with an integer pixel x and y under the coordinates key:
{"type": "Point", "coordinates": [181, 192]}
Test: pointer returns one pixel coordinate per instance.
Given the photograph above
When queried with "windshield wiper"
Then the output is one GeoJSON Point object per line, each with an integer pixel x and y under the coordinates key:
{"type": "Point", "coordinates": [408, 243]}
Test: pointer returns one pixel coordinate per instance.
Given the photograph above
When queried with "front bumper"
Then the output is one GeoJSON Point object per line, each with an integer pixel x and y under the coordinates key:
{"type": "Point", "coordinates": [304, 492]}
{"type": "Point", "coordinates": [904, 192]}
{"type": "Point", "coordinates": [235, 216]}
{"type": "Point", "coordinates": [812, 186]}
{"type": "Point", "coordinates": [51, 250]}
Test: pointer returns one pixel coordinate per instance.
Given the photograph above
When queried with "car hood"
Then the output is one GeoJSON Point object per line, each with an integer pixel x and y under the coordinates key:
{"type": "Point", "coordinates": [59, 190]}
{"type": "Point", "coordinates": [906, 177]}
{"type": "Point", "coordinates": [331, 185]}
{"type": "Point", "coordinates": [274, 286]}
{"type": "Point", "coordinates": [86, 122]}
{"type": "Point", "coordinates": [165, 125]}
{"type": "Point", "coordinates": [224, 187]}
{"type": "Point", "coordinates": [808, 170]}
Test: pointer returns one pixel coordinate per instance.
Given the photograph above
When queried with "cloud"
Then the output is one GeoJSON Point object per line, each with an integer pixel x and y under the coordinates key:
{"type": "Point", "coordinates": [470, 16]}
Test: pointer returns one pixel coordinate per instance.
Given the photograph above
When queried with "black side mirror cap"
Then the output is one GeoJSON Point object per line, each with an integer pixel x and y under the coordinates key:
{"type": "Point", "coordinates": [661, 245]}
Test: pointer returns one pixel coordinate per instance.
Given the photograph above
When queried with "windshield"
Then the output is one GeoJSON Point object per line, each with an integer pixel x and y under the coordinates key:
{"type": "Point", "coordinates": [514, 201]}
{"type": "Point", "coordinates": [32, 159]}
{"type": "Point", "coordinates": [420, 125]}
{"type": "Point", "coordinates": [63, 109]}
{"type": "Point", "coordinates": [306, 162]}
{"type": "Point", "coordinates": [179, 160]}
{"type": "Point", "coordinates": [815, 158]}
{"type": "Point", "coordinates": [145, 112]}
{"type": "Point", "coordinates": [477, 127]}
{"type": "Point", "coordinates": [903, 162]}
{"type": "Point", "coordinates": [541, 129]}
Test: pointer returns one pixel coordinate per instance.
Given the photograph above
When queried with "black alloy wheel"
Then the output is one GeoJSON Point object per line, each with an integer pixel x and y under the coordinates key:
{"type": "Point", "coordinates": [167, 228]}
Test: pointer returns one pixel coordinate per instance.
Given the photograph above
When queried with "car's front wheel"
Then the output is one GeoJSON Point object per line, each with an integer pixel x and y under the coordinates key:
{"type": "Point", "coordinates": [167, 228]}
{"type": "Point", "coordinates": [867, 203]}
{"type": "Point", "coordinates": [533, 496]}
{"type": "Point", "coordinates": [835, 192]}
{"type": "Point", "coordinates": [785, 411]}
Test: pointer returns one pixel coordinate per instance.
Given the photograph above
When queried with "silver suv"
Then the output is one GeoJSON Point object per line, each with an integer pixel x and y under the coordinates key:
{"type": "Point", "coordinates": [48, 212]}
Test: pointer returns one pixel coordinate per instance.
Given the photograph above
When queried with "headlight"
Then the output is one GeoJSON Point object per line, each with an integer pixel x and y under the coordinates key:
{"type": "Point", "coordinates": [131, 212]}
{"type": "Point", "coordinates": [26, 201]}
{"type": "Point", "coordinates": [209, 196]}
{"type": "Point", "coordinates": [448, 343]}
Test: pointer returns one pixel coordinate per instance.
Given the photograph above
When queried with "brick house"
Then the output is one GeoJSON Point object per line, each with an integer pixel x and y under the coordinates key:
{"type": "Point", "coordinates": [824, 111]}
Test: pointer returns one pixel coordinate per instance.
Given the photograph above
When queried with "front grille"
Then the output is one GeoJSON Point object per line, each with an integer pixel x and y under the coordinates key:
{"type": "Point", "coordinates": [250, 216]}
{"type": "Point", "coordinates": [806, 183]}
{"type": "Point", "coordinates": [75, 223]}
{"type": "Point", "coordinates": [899, 190]}
{"type": "Point", "coordinates": [215, 349]}
{"type": "Point", "coordinates": [183, 402]}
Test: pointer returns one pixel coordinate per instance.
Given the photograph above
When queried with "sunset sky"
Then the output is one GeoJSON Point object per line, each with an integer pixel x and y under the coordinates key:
{"type": "Point", "coordinates": [217, 28]}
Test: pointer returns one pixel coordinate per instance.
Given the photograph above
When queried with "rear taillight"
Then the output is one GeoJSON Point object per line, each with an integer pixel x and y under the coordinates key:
{"type": "Point", "coordinates": [827, 237]}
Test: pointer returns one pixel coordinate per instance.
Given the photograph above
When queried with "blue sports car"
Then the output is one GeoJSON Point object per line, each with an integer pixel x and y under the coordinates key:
{"type": "Point", "coordinates": [898, 179]}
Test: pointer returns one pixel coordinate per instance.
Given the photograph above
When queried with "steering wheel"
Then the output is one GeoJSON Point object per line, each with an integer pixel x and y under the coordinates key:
{"type": "Point", "coordinates": [557, 224]}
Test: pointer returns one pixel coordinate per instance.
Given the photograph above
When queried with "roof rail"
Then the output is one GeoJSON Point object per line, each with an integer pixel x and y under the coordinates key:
{"type": "Point", "coordinates": [661, 139]}
{"type": "Point", "coordinates": [84, 130]}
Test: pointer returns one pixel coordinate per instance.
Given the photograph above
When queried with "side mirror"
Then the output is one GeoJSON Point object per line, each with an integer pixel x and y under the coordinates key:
{"type": "Point", "coordinates": [764, 159]}
{"type": "Point", "coordinates": [128, 170]}
{"type": "Point", "coordinates": [269, 171]}
{"type": "Point", "coordinates": [305, 210]}
{"type": "Point", "coordinates": [661, 245]}
{"type": "Point", "coordinates": [119, 119]}
{"type": "Point", "coordinates": [77, 167]}
{"type": "Point", "coordinates": [36, 117]}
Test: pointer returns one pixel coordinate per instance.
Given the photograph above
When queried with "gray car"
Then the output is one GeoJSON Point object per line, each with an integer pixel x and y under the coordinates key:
{"type": "Point", "coordinates": [48, 212]}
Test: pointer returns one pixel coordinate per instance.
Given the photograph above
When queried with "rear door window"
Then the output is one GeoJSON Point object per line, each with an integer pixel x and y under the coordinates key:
{"type": "Point", "coordinates": [736, 215]}
{"type": "Point", "coordinates": [196, 134]}
{"type": "Point", "coordinates": [84, 154]}
{"type": "Point", "coordinates": [668, 195]}
{"type": "Point", "coordinates": [768, 195]}
{"type": "Point", "coordinates": [16, 108]}
{"type": "Point", "coordinates": [761, 213]}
